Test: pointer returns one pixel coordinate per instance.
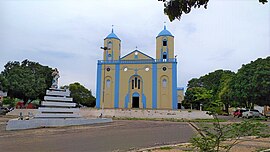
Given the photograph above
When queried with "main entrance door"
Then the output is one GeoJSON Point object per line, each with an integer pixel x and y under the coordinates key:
{"type": "Point", "coordinates": [135, 102]}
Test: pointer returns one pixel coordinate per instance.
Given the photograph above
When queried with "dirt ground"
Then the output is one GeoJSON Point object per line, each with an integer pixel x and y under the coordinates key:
{"type": "Point", "coordinates": [250, 145]}
{"type": "Point", "coordinates": [137, 128]}
{"type": "Point", "coordinates": [120, 135]}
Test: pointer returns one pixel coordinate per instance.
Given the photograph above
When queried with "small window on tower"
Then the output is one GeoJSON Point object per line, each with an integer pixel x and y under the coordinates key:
{"type": "Point", "coordinates": [110, 45]}
{"type": "Point", "coordinates": [164, 83]}
{"type": "Point", "coordinates": [109, 57]}
{"type": "Point", "coordinates": [164, 42]}
{"type": "Point", "coordinates": [108, 83]}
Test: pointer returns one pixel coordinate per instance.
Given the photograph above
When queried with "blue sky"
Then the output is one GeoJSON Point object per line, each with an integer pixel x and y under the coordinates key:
{"type": "Point", "coordinates": [67, 34]}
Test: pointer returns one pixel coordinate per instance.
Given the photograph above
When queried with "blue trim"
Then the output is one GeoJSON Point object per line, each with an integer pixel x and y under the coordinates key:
{"type": "Point", "coordinates": [140, 61]}
{"type": "Point", "coordinates": [138, 52]}
{"type": "Point", "coordinates": [112, 36]}
{"type": "Point", "coordinates": [144, 101]}
{"type": "Point", "coordinates": [165, 32]}
{"type": "Point", "coordinates": [154, 86]}
{"type": "Point", "coordinates": [116, 89]}
{"type": "Point", "coordinates": [180, 88]}
{"type": "Point", "coordinates": [174, 87]}
{"type": "Point", "coordinates": [135, 94]}
{"type": "Point", "coordinates": [98, 85]}
{"type": "Point", "coordinates": [126, 100]}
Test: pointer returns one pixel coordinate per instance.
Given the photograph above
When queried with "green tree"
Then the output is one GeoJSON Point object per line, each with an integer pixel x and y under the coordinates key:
{"type": "Point", "coordinates": [26, 80]}
{"type": "Point", "coordinates": [224, 91]}
{"type": "Point", "coordinates": [82, 95]}
{"type": "Point", "coordinates": [175, 8]}
{"type": "Point", "coordinates": [251, 84]}
{"type": "Point", "coordinates": [212, 83]}
{"type": "Point", "coordinates": [197, 96]}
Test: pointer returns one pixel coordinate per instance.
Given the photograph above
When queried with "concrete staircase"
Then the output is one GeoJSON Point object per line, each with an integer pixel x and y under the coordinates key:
{"type": "Point", "coordinates": [57, 104]}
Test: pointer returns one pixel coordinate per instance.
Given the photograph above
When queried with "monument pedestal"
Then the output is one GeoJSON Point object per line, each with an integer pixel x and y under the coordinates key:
{"type": "Point", "coordinates": [57, 109]}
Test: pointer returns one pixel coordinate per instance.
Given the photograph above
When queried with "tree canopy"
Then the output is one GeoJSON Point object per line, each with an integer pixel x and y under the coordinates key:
{"type": "Point", "coordinates": [206, 89]}
{"type": "Point", "coordinates": [82, 95]}
{"type": "Point", "coordinates": [251, 85]}
{"type": "Point", "coordinates": [25, 80]}
{"type": "Point", "coordinates": [175, 8]}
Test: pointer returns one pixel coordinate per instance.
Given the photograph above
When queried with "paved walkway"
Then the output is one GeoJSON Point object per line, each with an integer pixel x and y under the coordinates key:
{"type": "Point", "coordinates": [116, 136]}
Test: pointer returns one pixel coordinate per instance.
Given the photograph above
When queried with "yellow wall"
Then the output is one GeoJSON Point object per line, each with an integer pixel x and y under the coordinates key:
{"type": "Point", "coordinates": [116, 48]}
{"type": "Point", "coordinates": [164, 95]}
{"type": "Point", "coordinates": [109, 92]}
{"type": "Point", "coordinates": [132, 56]}
{"type": "Point", "coordinates": [146, 85]}
{"type": "Point", "coordinates": [170, 45]}
{"type": "Point", "coordinates": [180, 96]}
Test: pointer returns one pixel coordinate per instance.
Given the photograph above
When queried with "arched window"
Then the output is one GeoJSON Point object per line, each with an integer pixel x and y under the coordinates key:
{"type": "Point", "coordinates": [164, 83]}
{"type": "Point", "coordinates": [108, 83]}
{"type": "Point", "coordinates": [110, 45]}
{"type": "Point", "coordinates": [164, 42]}
{"type": "Point", "coordinates": [109, 57]}
{"type": "Point", "coordinates": [164, 55]}
{"type": "Point", "coordinates": [135, 82]}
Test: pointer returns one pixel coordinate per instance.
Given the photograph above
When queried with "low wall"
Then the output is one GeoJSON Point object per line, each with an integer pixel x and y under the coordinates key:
{"type": "Point", "coordinates": [129, 113]}
{"type": "Point", "coordinates": [142, 113]}
{"type": "Point", "coordinates": [25, 112]}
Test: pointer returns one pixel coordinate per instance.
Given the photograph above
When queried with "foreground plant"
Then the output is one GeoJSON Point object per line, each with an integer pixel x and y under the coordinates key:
{"type": "Point", "coordinates": [219, 137]}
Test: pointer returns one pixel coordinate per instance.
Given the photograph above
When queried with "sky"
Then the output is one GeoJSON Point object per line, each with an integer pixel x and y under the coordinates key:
{"type": "Point", "coordinates": [68, 34]}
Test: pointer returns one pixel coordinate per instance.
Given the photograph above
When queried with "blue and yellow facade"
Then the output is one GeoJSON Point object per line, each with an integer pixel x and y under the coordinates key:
{"type": "Point", "coordinates": [137, 80]}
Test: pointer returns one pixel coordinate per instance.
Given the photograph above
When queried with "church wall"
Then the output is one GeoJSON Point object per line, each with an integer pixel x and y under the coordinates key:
{"type": "Point", "coordinates": [125, 94]}
{"type": "Point", "coordinates": [157, 87]}
{"type": "Point", "coordinates": [159, 46]}
{"type": "Point", "coordinates": [114, 49]}
{"type": "Point", "coordinates": [164, 99]}
{"type": "Point", "coordinates": [109, 93]}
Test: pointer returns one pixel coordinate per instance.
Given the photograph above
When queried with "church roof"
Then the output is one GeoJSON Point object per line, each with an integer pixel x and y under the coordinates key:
{"type": "Point", "coordinates": [165, 32]}
{"type": "Point", "coordinates": [112, 35]}
{"type": "Point", "coordinates": [142, 56]}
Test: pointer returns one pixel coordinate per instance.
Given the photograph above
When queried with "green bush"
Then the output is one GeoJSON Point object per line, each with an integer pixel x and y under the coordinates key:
{"type": "Point", "coordinates": [10, 101]}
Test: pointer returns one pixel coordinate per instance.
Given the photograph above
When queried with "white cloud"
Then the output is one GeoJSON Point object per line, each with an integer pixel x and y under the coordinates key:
{"type": "Point", "coordinates": [68, 34]}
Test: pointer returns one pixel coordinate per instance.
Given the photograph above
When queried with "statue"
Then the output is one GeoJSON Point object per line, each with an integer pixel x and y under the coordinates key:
{"type": "Point", "coordinates": [55, 75]}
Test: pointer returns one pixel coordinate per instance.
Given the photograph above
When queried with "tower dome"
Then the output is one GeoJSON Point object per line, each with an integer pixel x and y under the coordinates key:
{"type": "Point", "coordinates": [165, 32]}
{"type": "Point", "coordinates": [112, 36]}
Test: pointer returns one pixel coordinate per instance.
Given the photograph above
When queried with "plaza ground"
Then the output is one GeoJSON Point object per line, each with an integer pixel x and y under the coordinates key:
{"type": "Point", "coordinates": [120, 135]}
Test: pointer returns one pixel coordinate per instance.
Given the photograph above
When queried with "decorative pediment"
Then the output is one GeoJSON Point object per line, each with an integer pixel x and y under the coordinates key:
{"type": "Point", "coordinates": [136, 55]}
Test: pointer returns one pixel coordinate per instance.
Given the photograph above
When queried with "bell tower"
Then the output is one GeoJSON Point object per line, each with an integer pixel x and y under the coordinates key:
{"type": "Point", "coordinates": [164, 45]}
{"type": "Point", "coordinates": [113, 47]}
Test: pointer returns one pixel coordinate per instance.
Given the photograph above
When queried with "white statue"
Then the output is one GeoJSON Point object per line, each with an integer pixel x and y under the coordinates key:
{"type": "Point", "coordinates": [55, 75]}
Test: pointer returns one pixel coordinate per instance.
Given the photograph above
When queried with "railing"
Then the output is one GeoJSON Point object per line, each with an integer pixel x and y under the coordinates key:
{"type": "Point", "coordinates": [140, 61]}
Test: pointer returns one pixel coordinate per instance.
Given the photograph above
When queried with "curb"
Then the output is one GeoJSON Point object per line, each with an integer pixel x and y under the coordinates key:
{"type": "Point", "coordinates": [158, 147]}
{"type": "Point", "coordinates": [197, 129]}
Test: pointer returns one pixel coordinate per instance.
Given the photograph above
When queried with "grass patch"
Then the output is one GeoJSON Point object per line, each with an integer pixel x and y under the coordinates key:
{"type": "Point", "coordinates": [171, 119]}
{"type": "Point", "coordinates": [165, 148]}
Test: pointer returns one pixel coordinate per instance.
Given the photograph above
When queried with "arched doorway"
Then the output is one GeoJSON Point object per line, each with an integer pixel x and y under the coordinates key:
{"type": "Point", "coordinates": [135, 100]}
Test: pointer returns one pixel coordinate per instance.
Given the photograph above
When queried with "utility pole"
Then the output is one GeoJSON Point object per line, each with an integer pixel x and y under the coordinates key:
{"type": "Point", "coordinates": [103, 89]}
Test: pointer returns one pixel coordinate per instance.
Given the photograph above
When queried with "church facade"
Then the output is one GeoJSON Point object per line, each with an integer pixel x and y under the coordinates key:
{"type": "Point", "coordinates": [137, 80]}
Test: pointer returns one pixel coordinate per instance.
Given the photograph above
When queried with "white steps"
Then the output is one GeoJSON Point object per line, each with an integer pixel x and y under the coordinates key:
{"type": "Point", "coordinates": [47, 109]}
{"type": "Point", "coordinates": [56, 115]}
{"type": "Point", "coordinates": [64, 93]}
{"type": "Point", "coordinates": [52, 98]}
{"type": "Point", "coordinates": [58, 105]}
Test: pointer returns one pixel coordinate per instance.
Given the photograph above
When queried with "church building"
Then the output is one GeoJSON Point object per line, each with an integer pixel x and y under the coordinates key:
{"type": "Point", "coordinates": [137, 80]}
